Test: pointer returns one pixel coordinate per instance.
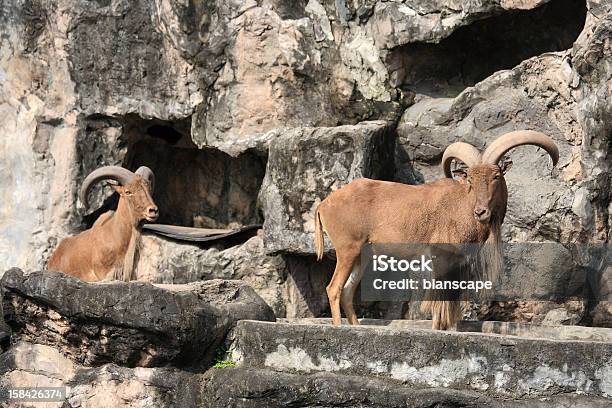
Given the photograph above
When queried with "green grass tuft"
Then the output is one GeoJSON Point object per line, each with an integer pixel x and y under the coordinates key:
{"type": "Point", "coordinates": [223, 359]}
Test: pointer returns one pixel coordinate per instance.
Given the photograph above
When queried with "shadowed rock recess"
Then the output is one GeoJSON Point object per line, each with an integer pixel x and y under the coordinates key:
{"type": "Point", "coordinates": [251, 113]}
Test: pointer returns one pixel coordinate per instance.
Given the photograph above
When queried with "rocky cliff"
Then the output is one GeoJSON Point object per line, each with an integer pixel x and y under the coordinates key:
{"type": "Point", "coordinates": [252, 112]}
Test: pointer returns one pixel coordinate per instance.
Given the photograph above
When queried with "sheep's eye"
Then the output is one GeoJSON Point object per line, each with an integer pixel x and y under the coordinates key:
{"type": "Point", "coordinates": [128, 192]}
{"type": "Point", "coordinates": [496, 177]}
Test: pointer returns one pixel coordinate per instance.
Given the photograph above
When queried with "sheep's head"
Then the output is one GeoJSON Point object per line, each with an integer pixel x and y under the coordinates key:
{"type": "Point", "coordinates": [484, 177]}
{"type": "Point", "coordinates": [135, 188]}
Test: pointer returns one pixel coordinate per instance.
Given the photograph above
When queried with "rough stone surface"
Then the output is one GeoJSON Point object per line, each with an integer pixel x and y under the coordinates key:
{"type": "Point", "coordinates": [292, 286]}
{"type": "Point", "coordinates": [131, 324]}
{"type": "Point", "coordinates": [205, 93]}
{"type": "Point", "coordinates": [165, 261]}
{"type": "Point", "coordinates": [248, 387]}
{"type": "Point", "coordinates": [73, 75]}
{"type": "Point", "coordinates": [562, 94]}
{"type": "Point", "coordinates": [507, 366]}
{"type": "Point", "coordinates": [305, 165]}
{"type": "Point", "coordinates": [31, 365]}
{"type": "Point", "coordinates": [27, 364]}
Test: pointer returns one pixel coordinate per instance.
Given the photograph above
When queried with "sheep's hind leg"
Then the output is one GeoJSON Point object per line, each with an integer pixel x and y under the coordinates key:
{"type": "Point", "coordinates": [344, 265]}
{"type": "Point", "coordinates": [348, 293]}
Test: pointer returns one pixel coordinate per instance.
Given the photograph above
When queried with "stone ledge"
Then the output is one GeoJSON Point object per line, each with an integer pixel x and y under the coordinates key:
{"type": "Point", "coordinates": [248, 387]}
{"type": "Point", "coordinates": [550, 332]}
{"type": "Point", "coordinates": [133, 324]}
{"type": "Point", "coordinates": [500, 365]}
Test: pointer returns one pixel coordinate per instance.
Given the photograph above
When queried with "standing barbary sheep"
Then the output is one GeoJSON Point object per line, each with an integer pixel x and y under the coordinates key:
{"type": "Point", "coordinates": [108, 249]}
{"type": "Point", "coordinates": [469, 210]}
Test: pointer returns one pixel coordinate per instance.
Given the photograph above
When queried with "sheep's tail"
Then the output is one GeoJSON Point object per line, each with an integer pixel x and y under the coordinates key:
{"type": "Point", "coordinates": [319, 240]}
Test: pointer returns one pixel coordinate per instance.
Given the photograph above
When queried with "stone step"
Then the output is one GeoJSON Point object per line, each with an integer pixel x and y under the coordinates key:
{"type": "Point", "coordinates": [255, 388]}
{"type": "Point", "coordinates": [501, 366]}
{"type": "Point", "coordinates": [600, 334]}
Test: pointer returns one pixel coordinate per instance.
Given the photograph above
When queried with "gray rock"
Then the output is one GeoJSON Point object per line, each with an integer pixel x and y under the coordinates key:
{"type": "Point", "coordinates": [165, 261]}
{"type": "Point", "coordinates": [28, 365]}
{"type": "Point", "coordinates": [133, 324]}
{"type": "Point", "coordinates": [561, 94]}
{"type": "Point", "coordinates": [593, 73]}
{"type": "Point", "coordinates": [305, 165]}
{"type": "Point", "coordinates": [234, 71]}
{"type": "Point", "coordinates": [111, 385]}
{"type": "Point", "coordinates": [399, 22]}
{"type": "Point", "coordinates": [506, 366]}
{"type": "Point", "coordinates": [249, 387]}
{"type": "Point", "coordinates": [601, 314]}
{"type": "Point", "coordinates": [133, 63]}
{"type": "Point", "coordinates": [292, 286]}
{"type": "Point", "coordinates": [554, 93]}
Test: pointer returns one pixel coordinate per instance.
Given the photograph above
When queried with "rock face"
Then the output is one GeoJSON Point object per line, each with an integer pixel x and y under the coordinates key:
{"type": "Point", "coordinates": [305, 165]}
{"type": "Point", "coordinates": [168, 85]}
{"type": "Point", "coordinates": [292, 286]}
{"type": "Point", "coordinates": [28, 365]}
{"type": "Point", "coordinates": [82, 84]}
{"type": "Point", "coordinates": [131, 324]}
{"type": "Point", "coordinates": [554, 93]}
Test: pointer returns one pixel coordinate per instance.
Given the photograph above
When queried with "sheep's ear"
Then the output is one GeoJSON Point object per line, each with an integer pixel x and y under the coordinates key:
{"type": "Point", "coordinates": [459, 173]}
{"type": "Point", "coordinates": [118, 188]}
{"type": "Point", "coordinates": [506, 165]}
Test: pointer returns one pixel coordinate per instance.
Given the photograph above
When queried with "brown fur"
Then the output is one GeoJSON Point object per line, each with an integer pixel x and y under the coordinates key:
{"type": "Point", "coordinates": [109, 248]}
{"type": "Point", "coordinates": [385, 212]}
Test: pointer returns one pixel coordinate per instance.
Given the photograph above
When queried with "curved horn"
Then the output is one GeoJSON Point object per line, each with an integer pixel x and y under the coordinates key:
{"type": "Point", "coordinates": [116, 173]}
{"type": "Point", "coordinates": [147, 174]}
{"type": "Point", "coordinates": [460, 151]}
{"type": "Point", "coordinates": [518, 138]}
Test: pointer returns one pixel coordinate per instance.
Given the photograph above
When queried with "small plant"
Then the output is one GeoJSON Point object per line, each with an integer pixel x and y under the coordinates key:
{"type": "Point", "coordinates": [224, 364]}
{"type": "Point", "coordinates": [223, 359]}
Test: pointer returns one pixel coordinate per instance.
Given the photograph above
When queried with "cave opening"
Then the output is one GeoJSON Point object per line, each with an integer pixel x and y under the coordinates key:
{"type": "Point", "coordinates": [203, 188]}
{"type": "Point", "coordinates": [474, 52]}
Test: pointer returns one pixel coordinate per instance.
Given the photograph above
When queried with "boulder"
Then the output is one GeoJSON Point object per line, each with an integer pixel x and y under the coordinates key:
{"type": "Point", "coordinates": [601, 314]}
{"type": "Point", "coordinates": [28, 365]}
{"type": "Point", "coordinates": [305, 165]}
{"type": "Point", "coordinates": [292, 286]}
{"type": "Point", "coordinates": [36, 365]}
{"type": "Point", "coordinates": [133, 324]}
{"type": "Point", "coordinates": [162, 260]}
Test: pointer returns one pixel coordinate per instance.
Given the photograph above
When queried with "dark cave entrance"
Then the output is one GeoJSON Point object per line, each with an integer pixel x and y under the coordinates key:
{"type": "Point", "coordinates": [202, 188]}
{"type": "Point", "coordinates": [476, 51]}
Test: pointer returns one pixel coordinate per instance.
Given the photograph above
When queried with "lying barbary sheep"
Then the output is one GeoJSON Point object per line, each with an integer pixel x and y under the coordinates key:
{"type": "Point", "coordinates": [469, 210]}
{"type": "Point", "coordinates": [109, 248]}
